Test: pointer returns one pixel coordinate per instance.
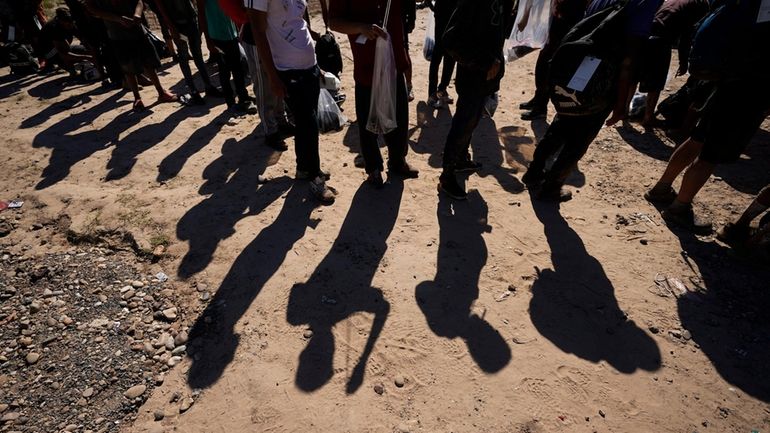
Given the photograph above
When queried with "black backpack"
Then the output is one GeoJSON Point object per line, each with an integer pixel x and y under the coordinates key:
{"type": "Point", "coordinates": [21, 60]}
{"type": "Point", "coordinates": [328, 55]}
{"type": "Point", "coordinates": [599, 36]}
{"type": "Point", "coordinates": [468, 33]}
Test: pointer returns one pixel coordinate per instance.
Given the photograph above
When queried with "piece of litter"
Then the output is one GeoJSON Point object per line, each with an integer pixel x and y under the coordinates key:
{"type": "Point", "coordinates": [503, 296]}
{"type": "Point", "coordinates": [15, 204]}
{"type": "Point", "coordinates": [162, 277]}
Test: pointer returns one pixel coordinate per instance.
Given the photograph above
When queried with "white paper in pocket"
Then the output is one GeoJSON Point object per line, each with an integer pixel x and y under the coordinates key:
{"type": "Point", "coordinates": [584, 73]}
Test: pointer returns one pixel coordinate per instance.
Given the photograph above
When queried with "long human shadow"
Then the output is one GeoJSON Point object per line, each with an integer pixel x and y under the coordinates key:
{"type": "Point", "coordinates": [748, 175]}
{"type": "Point", "coordinates": [234, 182]}
{"type": "Point", "coordinates": [727, 315]}
{"type": "Point", "coordinates": [574, 306]}
{"type": "Point", "coordinates": [446, 301]}
{"type": "Point", "coordinates": [433, 126]}
{"type": "Point", "coordinates": [127, 150]}
{"type": "Point", "coordinates": [71, 103]}
{"type": "Point", "coordinates": [341, 286]}
{"type": "Point", "coordinates": [172, 164]}
{"type": "Point", "coordinates": [213, 335]}
{"type": "Point", "coordinates": [68, 149]}
{"type": "Point", "coordinates": [11, 84]}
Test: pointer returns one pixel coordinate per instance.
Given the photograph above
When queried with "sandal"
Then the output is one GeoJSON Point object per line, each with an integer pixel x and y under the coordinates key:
{"type": "Point", "coordinates": [138, 105]}
{"type": "Point", "coordinates": [167, 97]}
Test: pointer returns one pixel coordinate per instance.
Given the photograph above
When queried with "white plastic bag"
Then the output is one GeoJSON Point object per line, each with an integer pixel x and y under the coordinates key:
{"type": "Point", "coordinates": [382, 108]}
{"type": "Point", "coordinates": [638, 104]}
{"type": "Point", "coordinates": [330, 117]}
{"type": "Point", "coordinates": [430, 38]}
{"type": "Point", "coordinates": [530, 30]}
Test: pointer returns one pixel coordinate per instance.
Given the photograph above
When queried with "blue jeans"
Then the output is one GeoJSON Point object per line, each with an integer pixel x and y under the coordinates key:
{"type": "Point", "coordinates": [302, 90]}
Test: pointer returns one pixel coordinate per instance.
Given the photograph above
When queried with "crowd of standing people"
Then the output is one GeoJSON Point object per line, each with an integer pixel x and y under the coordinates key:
{"type": "Point", "coordinates": [599, 56]}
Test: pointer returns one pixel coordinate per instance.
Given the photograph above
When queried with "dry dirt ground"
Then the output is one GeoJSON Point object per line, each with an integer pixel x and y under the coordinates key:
{"type": "Point", "coordinates": [398, 310]}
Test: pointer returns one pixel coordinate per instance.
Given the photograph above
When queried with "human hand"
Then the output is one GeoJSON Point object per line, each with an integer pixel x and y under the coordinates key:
{"type": "Point", "coordinates": [373, 31]}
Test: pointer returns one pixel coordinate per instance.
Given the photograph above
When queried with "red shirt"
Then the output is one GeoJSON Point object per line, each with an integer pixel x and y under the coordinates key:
{"type": "Point", "coordinates": [372, 12]}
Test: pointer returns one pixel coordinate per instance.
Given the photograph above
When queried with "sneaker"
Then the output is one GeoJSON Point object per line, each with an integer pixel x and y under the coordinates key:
{"type": "Point", "coordinates": [276, 142]}
{"type": "Point", "coordinates": [445, 98]}
{"type": "Point", "coordinates": [305, 175]}
{"type": "Point", "coordinates": [467, 166]}
{"type": "Point", "coordinates": [403, 169]}
{"type": "Point", "coordinates": [248, 107]}
{"type": "Point", "coordinates": [435, 102]}
{"type": "Point", "coordinates": [685, 217]}
{"type": "Point", "coordinates": [375, 179]}
{"type": "Point", "coordinates": [554, 192]}
{"type": "Point", "coordinates": [534, 114]}
{"type": "Point", "coordinates": [661, 197]}
{"type": "Point", "coordinates": [449, 186]}
{"type": "Point", "coordinates": [734, 235]}
{"type": "Point", "coordinates": [197, 99]}
{"type": "Point", "coordinates": [324, 193]}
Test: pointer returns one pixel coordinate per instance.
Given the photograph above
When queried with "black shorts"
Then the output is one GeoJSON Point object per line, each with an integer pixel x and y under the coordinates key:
{"type": "Point", "coordinates": [135, 55]}
{"type": "Point", "coordinates": [731, 117]}
{"type": "Point", "coordinates": [654, 69]}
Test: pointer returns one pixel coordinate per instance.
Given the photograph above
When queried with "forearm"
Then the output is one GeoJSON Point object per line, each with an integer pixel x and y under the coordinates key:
{"type": "Point", "coordinates": [139, 9]}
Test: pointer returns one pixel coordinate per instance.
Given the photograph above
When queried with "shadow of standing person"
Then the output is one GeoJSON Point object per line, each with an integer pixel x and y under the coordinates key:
{"type": "Point", "coordinates": [447, 300]}
{"type": "Point", "coordinates": [213, 338]}
{"type": "Point", "coordinates": [574, 304]}
{"type": "Point", "coordinates": [341, 286]}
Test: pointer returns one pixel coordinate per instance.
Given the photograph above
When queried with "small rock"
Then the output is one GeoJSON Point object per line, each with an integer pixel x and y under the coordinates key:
{"type": "Point", "coordinates": [3, 407]}
{"type": "Point", "coordinates": [34, 307]}
{"type": "Point", "coordinates": [10, 416]}
{"type": "Point", "coordinates": [159, 414]}
{"type": "Point", "coordinates": [88, 393]}
{"type": "Point", "coordinates": [399, 380]}
{"type": "Point", "coordinates": [159, 379]}
{"type": "Point", "coordinates": [602, 414]}
{"type": "Point", "coordinates": [181, 338]}
{"type": "Point", "coordinates": [654, 329]}
{"type": "Point", "coordinates": [186, 405]}
{"type": "Point", "coordinates": [308, 333]}
{"type": "Point", "coordinates": [675, 333]}
{"type": "Point", "coordinates": [137, 284]}
{"type": "Point", "coordinates": [173, 361]}
{"type": "Point", "coordinates": [158, 251]}
{"type": "Point", "coordinates": [379, 389]}
{"type": "Point", "coordinates": [205, 296]}
{"type": "Point", "coordinates": [170, 314]}
{"type": "Point", "coordinates": [82, 402]}
{"type": "Point", "coordinates": [686, 334]}
{"type": "Point", "coordinates": [135, 391]}
{"type": "Point", "coordinates": [32, 358]}
{"type": "Point", "coordinates": [179, 350]}
{"type": "Point", "coordinates": [71, 427]}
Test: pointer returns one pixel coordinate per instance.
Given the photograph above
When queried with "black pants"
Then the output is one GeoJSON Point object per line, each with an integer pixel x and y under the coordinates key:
{"type": "Point", "coordinates": [472, 91]}
{"type": "Point", "coordinates": [229, 62]}
{"type": "Point", "coordinates": [397, 140]}
{"type": "Point", "coordinates": [557, 31]}
{"type": "Point", "coordinates": [439, 55]}
{"type": "Point", "coordinates": [302, 90]}
{"type": "Point", "coordinates": [573, 134]}
{"type": "Point", "coordinates": [189, 43]}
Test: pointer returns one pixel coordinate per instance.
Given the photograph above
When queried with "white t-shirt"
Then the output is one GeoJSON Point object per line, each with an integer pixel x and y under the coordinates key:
{"type": "Point", "coordinates": [287, 33]}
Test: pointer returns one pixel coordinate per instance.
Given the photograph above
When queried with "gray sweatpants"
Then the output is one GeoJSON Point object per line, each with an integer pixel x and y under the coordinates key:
{"type": "Point", "coordinates": [271, 109]}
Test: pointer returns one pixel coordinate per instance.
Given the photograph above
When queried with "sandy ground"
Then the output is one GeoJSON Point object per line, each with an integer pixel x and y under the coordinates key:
{"type": "Point", "coordinates": [397, 310]}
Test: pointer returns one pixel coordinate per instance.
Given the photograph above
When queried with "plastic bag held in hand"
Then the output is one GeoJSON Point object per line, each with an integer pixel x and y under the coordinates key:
{"type": "Point", "coordinates": [330, 117]}
{"type": "Point", "coordinates": [530, 30]}
{"type": "Point", "coordinates": [382, 109]}
{"type": "Point", "coordinates": [430, 37]}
